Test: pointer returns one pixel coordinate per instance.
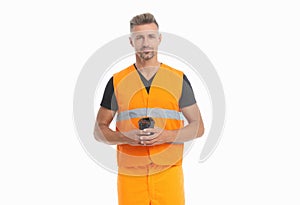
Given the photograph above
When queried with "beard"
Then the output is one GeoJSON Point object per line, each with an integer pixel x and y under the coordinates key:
{"type": "Point", "coordinates": [146, 55]}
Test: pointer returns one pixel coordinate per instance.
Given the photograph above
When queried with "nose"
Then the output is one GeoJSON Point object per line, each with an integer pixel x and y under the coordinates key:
{"type": "Point", "coordinates": [146, 42]}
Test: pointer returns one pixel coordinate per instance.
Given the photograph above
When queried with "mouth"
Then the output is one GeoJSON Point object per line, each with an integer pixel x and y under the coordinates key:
{"type": "Point", "coordinates": [147, 50]}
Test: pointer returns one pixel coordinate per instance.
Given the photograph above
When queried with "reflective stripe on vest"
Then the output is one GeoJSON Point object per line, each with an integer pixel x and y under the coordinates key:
{"type": "Point", "coordinates": [150, 112]}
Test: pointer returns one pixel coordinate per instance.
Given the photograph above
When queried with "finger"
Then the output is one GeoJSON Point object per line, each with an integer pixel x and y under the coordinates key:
{"type": "Point", "coordinates": [154, 130]}
{"type": "Point", "coordinates": [146, 143]}
{"type": "Point", "coordinates": [148, 130]}
{"type": "Point", "coordinates": [143, 138]}
{"type": "Point", "coordinates": [152, 141]}
{"type": "Point", "coordinates": [143, 143]}
{"type": "Point", "coordinates": [148, 138]}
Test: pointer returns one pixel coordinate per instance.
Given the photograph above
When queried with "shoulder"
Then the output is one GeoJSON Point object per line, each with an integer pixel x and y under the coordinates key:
{"type": "Point", "coordinates": [124, 72]}
{"type": "Point", "coordinates": [171, 69]}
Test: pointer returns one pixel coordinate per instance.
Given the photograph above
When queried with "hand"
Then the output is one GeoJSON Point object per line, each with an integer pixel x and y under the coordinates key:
{"type": "Point", "coordinates": [132, 137]}
{"type": "Point", "coordinates": [155, 136]}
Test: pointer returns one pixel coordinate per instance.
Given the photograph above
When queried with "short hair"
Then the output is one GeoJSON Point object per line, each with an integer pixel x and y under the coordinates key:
{"type": "Point", "coordinates": [142, 19]}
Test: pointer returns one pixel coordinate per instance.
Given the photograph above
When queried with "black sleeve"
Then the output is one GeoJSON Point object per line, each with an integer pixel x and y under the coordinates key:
{"type": "Point", "coordinates": [187, 96]}
{"type": "Point", "coordinates": [109, 100]}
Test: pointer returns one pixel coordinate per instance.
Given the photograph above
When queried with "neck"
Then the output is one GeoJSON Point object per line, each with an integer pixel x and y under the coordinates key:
{"type": "Point", "coordinates": [145, 64]}
{"type": "Point", "coordinates": [147, 68]}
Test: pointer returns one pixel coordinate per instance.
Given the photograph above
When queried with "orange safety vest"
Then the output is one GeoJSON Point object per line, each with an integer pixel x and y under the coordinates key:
{"type": "Point", "coordinates": [162, 104]}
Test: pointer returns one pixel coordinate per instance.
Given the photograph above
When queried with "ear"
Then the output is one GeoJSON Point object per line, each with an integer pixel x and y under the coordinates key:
{"type": "Point", "coordinates": [131, 42]}
{"type": "Point", "coordinates": [160, 38]}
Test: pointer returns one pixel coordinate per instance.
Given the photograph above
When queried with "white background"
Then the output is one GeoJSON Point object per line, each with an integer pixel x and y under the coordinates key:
{"type": "Point", "coordinates": [254, 46]}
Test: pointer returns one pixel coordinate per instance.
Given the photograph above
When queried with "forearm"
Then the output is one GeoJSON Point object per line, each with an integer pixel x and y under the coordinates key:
{"type": "Point", "coordinates": [104, 134]}
{"type": "Point", "coordinates": [192, 131]}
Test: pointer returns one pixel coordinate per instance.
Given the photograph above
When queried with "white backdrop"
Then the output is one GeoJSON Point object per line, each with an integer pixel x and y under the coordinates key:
{"type": "Point", "coordinates": [254, 46]}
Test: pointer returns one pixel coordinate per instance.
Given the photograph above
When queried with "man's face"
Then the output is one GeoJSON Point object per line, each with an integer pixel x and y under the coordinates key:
{"type": "Point", "coordinates": [145, 40]}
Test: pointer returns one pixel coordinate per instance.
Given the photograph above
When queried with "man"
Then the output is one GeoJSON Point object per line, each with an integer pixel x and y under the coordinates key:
{"type": "Point", "coordinates": [150, 159]}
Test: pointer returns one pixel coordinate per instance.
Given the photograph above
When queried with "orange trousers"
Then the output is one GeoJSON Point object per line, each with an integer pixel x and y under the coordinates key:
{"type": "Point", "coordinates": [162, 188]}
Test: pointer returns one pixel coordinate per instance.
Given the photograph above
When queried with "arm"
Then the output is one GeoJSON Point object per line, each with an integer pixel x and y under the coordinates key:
{"type": "Point", "coordinates": [193, 130]}
{"type": "Point", "coordinates": [104, 134]}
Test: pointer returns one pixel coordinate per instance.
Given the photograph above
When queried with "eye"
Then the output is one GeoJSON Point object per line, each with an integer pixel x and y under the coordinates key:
{"type": "Point", "coordinates": [152, 36]}
{"type": "Point", "coordinates": [138, 37]}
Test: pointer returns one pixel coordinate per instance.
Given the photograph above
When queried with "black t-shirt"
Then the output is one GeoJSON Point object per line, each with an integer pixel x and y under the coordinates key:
{"type": "Point", "coordinates": [109, 100]}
